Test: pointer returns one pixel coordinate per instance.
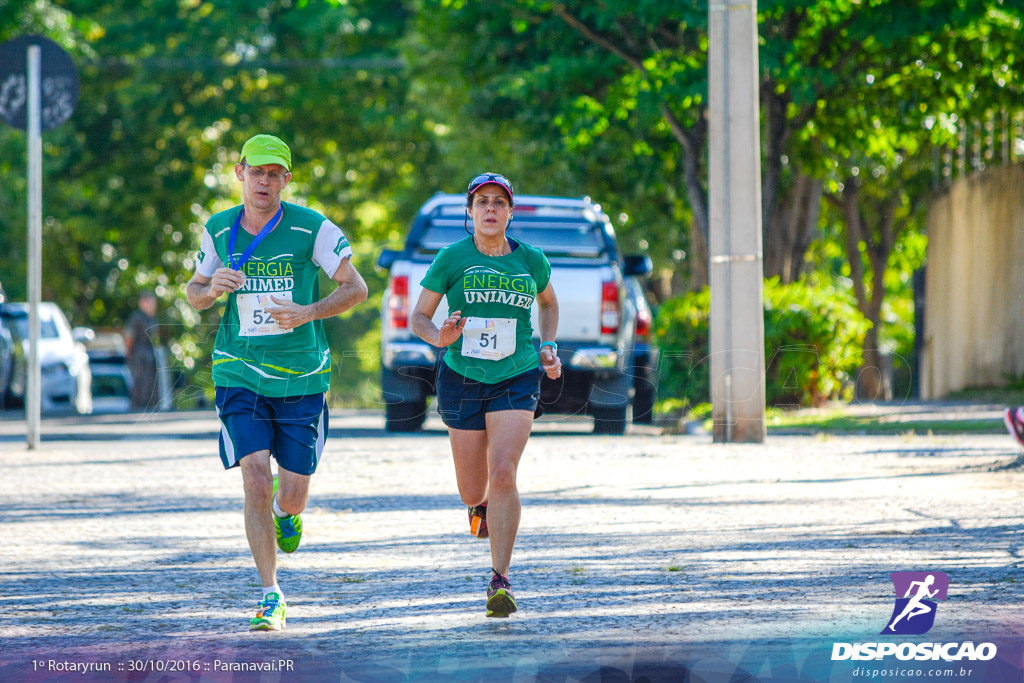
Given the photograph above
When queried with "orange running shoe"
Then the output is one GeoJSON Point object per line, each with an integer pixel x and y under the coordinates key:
{"type": "Point", "coordinates": [478, 520]}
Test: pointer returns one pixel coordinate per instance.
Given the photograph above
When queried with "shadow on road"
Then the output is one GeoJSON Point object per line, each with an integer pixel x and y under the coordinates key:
{"type": "Point", "coordinates": [177, 590]}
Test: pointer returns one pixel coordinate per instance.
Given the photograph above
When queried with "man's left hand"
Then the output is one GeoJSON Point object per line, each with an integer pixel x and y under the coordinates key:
{"type": "Point", "coordinates": [290, 314]}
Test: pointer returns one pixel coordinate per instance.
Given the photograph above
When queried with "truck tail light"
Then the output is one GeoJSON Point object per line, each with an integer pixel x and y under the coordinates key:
{"type": "Point", "coordinates": [398, 303]}
{"type": "Point", "coordinates": [609, 308]}
{"type": "Point", "coordinates": [643, 324]}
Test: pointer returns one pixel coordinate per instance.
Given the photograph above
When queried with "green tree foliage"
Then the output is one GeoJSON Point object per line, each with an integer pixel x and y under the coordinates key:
{"type": "Point", "coordinates": [387, 102]}
{"type": "Point", "coordinates": [525, 92]}
{"type": "Point", "coordinates": [858, 99]}
{"type": "Point", "coordinates": [170, 90]}
{"type": "Point", "coordinates": [878, 145]}
{"type": "Point", "coordinates": [628, 80]}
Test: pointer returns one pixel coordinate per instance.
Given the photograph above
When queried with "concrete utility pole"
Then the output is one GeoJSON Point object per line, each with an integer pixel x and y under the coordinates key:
{"type": "Point", "coordinates": [737, 271]}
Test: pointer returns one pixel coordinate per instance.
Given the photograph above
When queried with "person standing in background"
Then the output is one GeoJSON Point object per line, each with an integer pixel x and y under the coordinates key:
{"type": "Point", "coordinates": [141, 336]}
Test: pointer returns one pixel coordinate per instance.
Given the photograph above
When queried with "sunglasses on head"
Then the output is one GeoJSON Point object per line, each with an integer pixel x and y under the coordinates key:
{"type": "Point", "coordinates": [485, 178]}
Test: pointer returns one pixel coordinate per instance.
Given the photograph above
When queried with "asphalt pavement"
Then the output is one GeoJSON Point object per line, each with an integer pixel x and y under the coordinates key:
{"type": "Point", "coordinates": [647, 556]}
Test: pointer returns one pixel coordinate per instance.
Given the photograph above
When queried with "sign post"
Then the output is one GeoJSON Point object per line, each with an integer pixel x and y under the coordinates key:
{"type": "Point", "coordinates": [33, 398]}
{"type": "Point", "coordinates": [38, 91]}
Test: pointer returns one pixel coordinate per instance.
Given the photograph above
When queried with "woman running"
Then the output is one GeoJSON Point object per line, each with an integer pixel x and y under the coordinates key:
{"type": "Point", "coordinates": [488, 382]}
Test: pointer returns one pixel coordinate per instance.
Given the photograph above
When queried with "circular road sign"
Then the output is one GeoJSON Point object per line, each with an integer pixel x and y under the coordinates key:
{"type": "Point", "coordinates": [59, 82]}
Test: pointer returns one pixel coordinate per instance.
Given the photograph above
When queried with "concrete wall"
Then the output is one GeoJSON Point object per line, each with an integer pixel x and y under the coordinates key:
{"type": "Point", "coordinates": [974, 284]}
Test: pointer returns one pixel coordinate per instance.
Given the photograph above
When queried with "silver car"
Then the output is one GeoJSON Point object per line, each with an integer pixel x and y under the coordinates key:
{"type": "Point", "coordinates": [111, 379]}
{"type": "Point", "coordinates": [66, 377]}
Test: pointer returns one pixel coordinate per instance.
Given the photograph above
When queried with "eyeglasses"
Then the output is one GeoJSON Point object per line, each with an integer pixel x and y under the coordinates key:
{"type": "Point", "coordinates": [485, 178]}
{"type": "Point", "coordinates": [259, 174]}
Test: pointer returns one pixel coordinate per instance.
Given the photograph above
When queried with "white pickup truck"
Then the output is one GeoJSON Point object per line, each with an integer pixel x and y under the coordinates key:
{"type": "Point", "coordinates": [603, 319]}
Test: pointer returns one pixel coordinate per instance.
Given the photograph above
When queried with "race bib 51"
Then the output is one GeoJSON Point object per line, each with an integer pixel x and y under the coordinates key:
{"type": "Point", "coordinates": [489, 338]}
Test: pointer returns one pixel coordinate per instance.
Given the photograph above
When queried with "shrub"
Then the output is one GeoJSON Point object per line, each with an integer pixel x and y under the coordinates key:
{"type": "Point", "coordinates": [681, 333]}
{"type": "Point", "coordinates": [813, 337]}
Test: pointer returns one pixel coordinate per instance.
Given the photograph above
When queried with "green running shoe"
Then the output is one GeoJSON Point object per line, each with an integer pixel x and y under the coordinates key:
{"type": "Point", "coordinates": [270, 614]}
{"type": "Point", "coordinates": [500, 600]}
{"type": "Point", "coordinates": [289, 529]}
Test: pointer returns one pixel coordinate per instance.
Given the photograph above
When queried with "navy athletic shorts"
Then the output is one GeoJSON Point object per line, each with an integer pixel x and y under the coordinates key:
{"type": "Point", "coordinates": [463, 403]}
{"type": "Point", "coordinates": [292, 428]}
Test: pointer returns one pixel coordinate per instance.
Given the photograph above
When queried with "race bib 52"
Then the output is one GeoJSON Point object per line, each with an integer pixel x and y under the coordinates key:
{"type": "Point", "coordinates": [254, 317]}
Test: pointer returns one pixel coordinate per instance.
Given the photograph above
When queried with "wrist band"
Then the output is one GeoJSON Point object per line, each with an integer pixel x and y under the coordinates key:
{"type": "Point", "coordinates": [553, 345]}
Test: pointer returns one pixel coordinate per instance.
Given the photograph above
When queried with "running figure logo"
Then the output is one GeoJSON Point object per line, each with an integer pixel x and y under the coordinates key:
{"type": "Point", "coordinates": [914, 613]}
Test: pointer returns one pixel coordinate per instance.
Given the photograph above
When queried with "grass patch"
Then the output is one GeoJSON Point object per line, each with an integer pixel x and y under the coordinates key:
{"type": "Point", "coordinates": [350, 578]}
{"type": "Point", "coordinates": [838, 421]}
{"type": "Point", "coordinates": [842, 419]}
{"type": "Point", "coordinates": [1004, 396]}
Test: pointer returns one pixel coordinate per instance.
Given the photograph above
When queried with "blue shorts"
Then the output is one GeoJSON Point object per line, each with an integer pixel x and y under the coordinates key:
{"type": "Point", "coordinates": [463, 403]}
{"type": "Point", "coordinates": [293, 428]}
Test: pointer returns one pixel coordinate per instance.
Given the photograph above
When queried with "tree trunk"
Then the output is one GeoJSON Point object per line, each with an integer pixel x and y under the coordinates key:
{"type": "Point", "coordinates": [773, 110]}
{"type": "Point", "coordinates": [872, 381]}
{"type": "Point", "coordinates": [698, 257]}
{"type": "Point", "coordinates": [789, 214]}
{"type": "Point", "coordinates": [692, 141]}
{"type": "Point", "coordinates": [791, 228]}
{"type": "Point", "coordinates": [849, 203]}
{"type": "Point", "coordinates": [804, 222]}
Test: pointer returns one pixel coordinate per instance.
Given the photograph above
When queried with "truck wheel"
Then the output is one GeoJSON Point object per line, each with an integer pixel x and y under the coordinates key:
{"type": "Point", "coordinates": [610, 421]}
{"type": "Point", "coordinates": [643, 405]}
{"type": "Point", "coordinates": [405, 417]}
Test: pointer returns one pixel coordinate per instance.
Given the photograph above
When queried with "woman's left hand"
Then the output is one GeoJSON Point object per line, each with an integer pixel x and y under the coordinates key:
{"type": "Point", "coordinates": [551, 363]}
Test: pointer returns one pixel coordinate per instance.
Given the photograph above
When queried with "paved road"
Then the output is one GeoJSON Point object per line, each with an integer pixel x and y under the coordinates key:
{"type": "Point", "coordinates": [644, 554]}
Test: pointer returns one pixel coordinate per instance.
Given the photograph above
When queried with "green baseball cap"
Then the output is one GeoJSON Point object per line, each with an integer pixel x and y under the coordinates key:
{"type": "Point", "coordinates": [266, 149]}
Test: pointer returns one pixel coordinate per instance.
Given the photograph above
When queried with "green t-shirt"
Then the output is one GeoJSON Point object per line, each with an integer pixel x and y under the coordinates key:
{"type": "Point", "coordinates": [497, 292]}
{"type": "Point", "coordinates": [250, 350]}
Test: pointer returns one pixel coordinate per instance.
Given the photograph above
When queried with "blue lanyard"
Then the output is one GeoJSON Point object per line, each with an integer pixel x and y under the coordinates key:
{"type": "Point", "coordinates": [247, 254]}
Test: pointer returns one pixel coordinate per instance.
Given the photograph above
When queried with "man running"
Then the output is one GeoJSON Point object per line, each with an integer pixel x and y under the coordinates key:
{"type": "Point", "coordinates": [271, 363]}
